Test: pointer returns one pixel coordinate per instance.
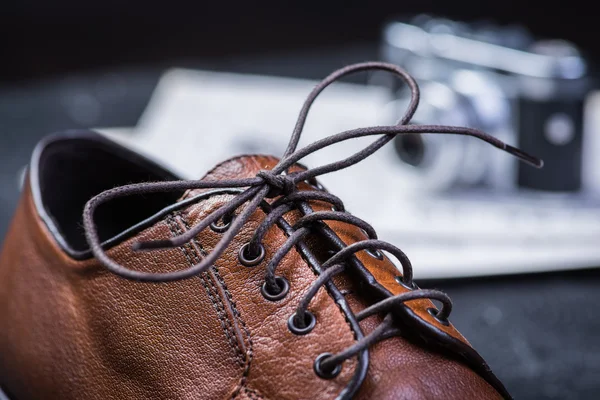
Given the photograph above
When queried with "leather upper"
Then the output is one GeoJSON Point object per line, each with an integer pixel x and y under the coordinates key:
{"type": "Point", "coordinates": [73, 330]}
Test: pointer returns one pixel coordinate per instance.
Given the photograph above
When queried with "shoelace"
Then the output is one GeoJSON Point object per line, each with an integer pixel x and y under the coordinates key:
{"type": "Point", "coordinates": [269, 184]}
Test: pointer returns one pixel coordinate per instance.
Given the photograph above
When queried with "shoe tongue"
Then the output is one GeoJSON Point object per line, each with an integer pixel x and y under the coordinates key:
{"type": "Point", "coordinates": [246, 166]}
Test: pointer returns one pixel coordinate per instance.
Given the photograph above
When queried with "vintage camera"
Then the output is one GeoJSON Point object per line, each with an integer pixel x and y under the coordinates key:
{"type": "Point", "coordinates": [527, 92]}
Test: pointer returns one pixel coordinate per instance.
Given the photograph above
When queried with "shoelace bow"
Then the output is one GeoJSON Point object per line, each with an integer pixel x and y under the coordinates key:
{"type": "Point", "coordinates": [268, 184]}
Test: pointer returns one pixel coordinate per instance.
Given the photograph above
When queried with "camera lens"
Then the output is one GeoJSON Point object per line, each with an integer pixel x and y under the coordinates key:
{"type": "Point", "coordinates": [410, 149]}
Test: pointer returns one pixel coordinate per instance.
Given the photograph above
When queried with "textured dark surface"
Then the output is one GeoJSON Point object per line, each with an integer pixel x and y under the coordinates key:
{"type": "Point", "coordinates": [537, 332]}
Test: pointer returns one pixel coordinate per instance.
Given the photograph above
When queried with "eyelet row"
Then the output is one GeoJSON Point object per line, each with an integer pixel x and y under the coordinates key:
{"type": "Point", "coordinates": [283, 284]}
{"type": "Point", "coordinates": [284, 288]}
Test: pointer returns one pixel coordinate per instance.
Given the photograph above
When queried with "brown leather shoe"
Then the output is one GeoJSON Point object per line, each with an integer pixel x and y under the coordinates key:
{"type": "Point", "coordinates": [252, 283]}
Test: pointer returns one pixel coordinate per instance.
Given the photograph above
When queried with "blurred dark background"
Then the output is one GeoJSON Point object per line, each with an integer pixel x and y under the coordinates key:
{"type": "Point", "coordinates": [538, 332]}
{"type": "Point", "coordinates": [43, 39]}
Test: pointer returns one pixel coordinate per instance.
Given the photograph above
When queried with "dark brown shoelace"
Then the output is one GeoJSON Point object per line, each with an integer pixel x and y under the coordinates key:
{"type": "Point", "coordinates": [251, 193]}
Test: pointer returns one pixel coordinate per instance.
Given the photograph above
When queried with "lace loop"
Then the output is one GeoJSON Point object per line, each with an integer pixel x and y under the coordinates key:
{"type": "Point", "coordinates": [336, 216]}
{"type": "Point", "coordinates": [386, 304]}
{"type": "Point", "coordinates": [348, 251]}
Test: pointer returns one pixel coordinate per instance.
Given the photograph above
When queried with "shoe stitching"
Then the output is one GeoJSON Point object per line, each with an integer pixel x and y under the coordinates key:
{"type": "Point", "coordinates": [244, 380]}
{"type": "Point", "coordinates": [226, 322]}
{"type": "Point", "coordinates": [250, 352]}
{"type": "Point", "coordinates": [192, 258]}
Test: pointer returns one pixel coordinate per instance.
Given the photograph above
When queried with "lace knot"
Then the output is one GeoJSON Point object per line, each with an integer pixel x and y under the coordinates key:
{"type": "Point", "coordinates": [279, 184]}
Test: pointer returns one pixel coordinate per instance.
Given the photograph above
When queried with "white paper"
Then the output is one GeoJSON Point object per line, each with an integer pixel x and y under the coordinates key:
{"type": "Point", "coordinates": [197, 119]}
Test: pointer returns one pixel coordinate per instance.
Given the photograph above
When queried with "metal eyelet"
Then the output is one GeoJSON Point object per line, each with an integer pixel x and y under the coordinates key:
{"type": "Point", "coordinates": [248, 260]}
{"type": "Point", "coordinates": [226, 223]}
{"type": "Point", "coordinates": [310, 322]}
{"type": "Point", "coordinates": [375, 254]}
{"type": "Point", "coordinates": [400, 282]}
{"type": "Point", "coordinates": [434, 314]}
{"type": "Point", "coordinates": [284, 288]}
{"type": "Point", "coordinates": [321, 373]}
